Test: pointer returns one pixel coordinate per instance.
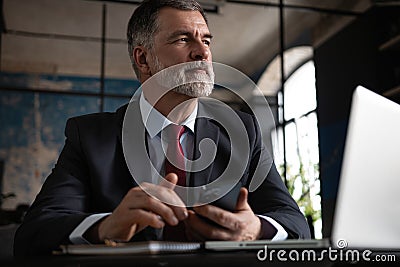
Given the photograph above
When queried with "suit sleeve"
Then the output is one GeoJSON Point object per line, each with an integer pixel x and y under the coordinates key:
{"type": "Point", "coordinates": [272, 198]}
{"type": "Point", "coordinates": [60, 205]}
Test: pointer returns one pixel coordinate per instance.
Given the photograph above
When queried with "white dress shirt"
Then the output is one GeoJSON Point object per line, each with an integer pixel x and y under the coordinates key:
{"type": "Point", "coordinates": [155, 122]}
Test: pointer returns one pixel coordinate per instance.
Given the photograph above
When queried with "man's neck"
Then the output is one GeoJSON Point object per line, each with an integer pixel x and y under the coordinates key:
{"type": "Point", "coordinates": [174, 106]}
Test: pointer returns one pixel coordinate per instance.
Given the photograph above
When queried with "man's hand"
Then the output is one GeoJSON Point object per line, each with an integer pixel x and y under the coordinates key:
{"type": "Point", "coordinates": [242, 224]}
{"type": "Point", "coordinates": [138, 210]}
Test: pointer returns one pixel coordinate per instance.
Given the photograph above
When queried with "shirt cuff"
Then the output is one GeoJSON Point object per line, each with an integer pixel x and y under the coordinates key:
{"type": "Point", "coordinates": [280, 232]}
{"type": "Point", "coordinates": [76, 237]}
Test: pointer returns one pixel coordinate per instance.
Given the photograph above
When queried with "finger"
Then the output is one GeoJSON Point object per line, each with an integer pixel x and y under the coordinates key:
{"type": "Point", "coordinates": [169, 181]}
{"type": "Point", "coordinates": [242, 204]}
{"type": "Point", "coordinates": [139, 199]}
{"type": "Point", "coordinates": [148, 219]}
{"type": "Point", "coordinates": [220, 216]}
{"type": "Point", "coordinates": [202, 229]}
{"type": "Point", "coordinates": [123, 228]}
{"type": "Point", "coordinates": [145, 218]}
{"type": "Point", "coordinates": [191, 233]}
{"type": "Point", "coordinates": [163, 212]}
{"type": "Point", "coordinates": [177, 205]}
{"type": "Point", "coordinates": [163, 194]}
{"type": "Point", "coordinates": [167, 197]}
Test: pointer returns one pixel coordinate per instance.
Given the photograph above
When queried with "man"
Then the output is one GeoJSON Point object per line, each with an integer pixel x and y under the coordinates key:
{"type": "Point", "coordinates": [92, 195]}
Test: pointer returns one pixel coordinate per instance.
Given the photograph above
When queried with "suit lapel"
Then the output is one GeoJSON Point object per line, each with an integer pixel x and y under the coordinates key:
{"type": "Point", "coordinates": [204, 128]}
{"type": "Point", "coordinates": [133, 139]}
{"type": "Point", "coordinates": [120, 118]}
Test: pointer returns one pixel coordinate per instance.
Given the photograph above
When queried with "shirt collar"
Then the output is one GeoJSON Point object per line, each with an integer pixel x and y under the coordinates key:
{"type": "Point", "coordinates": [154, 121]}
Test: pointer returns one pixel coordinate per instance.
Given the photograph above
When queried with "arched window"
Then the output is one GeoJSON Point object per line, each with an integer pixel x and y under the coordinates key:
{"type": "Point", "coordinates": [295, 139]}
{"type": "Point", "coordinates": [301, 142]}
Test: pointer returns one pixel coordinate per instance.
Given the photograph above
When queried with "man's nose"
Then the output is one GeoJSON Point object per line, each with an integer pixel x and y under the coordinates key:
{"type": "Point", "coordinates": [200, 51]}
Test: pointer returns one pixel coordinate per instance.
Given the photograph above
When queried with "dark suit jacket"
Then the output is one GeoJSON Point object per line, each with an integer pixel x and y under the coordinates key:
{"type": "Point", "coordinates": [91, 176]}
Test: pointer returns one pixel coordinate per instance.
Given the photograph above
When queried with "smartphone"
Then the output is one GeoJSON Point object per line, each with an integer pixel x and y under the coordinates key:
{"type": "Point", "coordinates": [226, 202]}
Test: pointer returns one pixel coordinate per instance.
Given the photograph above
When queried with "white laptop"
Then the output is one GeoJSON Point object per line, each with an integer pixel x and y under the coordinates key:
{"type": "Point", "coordinates": [367, 210]}
{"type": "Point", "coordinates": [367, 213]}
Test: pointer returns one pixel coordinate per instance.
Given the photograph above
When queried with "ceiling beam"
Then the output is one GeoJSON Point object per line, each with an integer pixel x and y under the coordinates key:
{"type": "Point", "coordinates": [300, 7]}
{"type": "Point", "coordinates": [209, 8]}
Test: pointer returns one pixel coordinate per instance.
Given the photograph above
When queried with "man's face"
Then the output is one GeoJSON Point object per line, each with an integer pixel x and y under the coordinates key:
{"type": "Point", "coordinates": [183, 37]}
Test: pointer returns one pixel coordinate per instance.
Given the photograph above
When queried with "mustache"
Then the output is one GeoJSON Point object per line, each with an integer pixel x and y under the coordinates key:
{"type": "Point", "coordinates": [199, 65]}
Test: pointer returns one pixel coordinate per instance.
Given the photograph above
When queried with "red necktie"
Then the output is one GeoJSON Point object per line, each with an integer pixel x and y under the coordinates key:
{"type": "Point", "coordinates": [176, 164]}
{"type": "Point", "coordinates": [175, 159]}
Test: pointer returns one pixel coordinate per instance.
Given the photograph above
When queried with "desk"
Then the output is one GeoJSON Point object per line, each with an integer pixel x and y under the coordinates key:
{"type": "Point", "coordinates": [201, 259]}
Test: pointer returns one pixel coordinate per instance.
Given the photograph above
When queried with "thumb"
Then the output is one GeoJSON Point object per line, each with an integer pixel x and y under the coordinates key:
{"type": "Point", "coordinates": [241, 204]}
{"type": "Point", "coordinates": [169, 180]}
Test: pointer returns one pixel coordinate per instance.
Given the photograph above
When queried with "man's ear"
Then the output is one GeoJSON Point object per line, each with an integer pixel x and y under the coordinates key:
{"type": "Point", "coordinates": [140, 57]}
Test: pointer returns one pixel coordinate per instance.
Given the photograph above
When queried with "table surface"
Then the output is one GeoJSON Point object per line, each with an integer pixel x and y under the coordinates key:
{"type": "Point", "coordinates": [203, 259]}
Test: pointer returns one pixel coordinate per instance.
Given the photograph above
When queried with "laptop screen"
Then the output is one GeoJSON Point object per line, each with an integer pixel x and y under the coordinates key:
{"type": "Point", "coordinates": [367, 211]}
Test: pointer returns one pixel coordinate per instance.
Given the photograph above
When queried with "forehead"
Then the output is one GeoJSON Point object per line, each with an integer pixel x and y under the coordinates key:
{"type": "Point", "coordinates": [172, 19]}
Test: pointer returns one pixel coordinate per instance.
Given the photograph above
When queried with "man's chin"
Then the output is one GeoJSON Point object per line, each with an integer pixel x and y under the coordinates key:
{"type": "Point", "coordinates": [194, 89]}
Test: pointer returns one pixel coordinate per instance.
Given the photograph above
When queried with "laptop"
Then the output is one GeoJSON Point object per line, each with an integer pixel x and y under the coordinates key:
{"type": "Point", "coordinates": [367, 213]}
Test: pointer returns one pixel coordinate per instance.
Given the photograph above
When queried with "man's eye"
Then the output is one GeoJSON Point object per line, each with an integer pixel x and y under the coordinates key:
{"type": "Point", "coordinates": [184, 40]}
{"type": "Point", "coordinates": [207, 42]}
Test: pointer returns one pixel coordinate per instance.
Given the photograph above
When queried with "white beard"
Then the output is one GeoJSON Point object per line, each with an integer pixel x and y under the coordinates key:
{"type": "Point", "coordinates": [194, 79]}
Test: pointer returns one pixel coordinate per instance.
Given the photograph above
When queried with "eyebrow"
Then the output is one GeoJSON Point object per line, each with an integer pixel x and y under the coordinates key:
{"type": "Point", "coordinates": [186, 33]}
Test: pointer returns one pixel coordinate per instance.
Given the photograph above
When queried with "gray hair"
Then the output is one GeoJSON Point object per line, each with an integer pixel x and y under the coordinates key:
{"type": "Point", "coordinates": [143, 24]}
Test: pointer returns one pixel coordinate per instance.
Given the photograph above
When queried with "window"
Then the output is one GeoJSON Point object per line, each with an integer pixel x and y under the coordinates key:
{"type": "Point", "coordinates": [297, 156]}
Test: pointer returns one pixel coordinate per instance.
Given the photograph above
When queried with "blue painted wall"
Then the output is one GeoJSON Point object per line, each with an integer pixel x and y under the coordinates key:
{"type": "Point", "coordinates": [33, 123]}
